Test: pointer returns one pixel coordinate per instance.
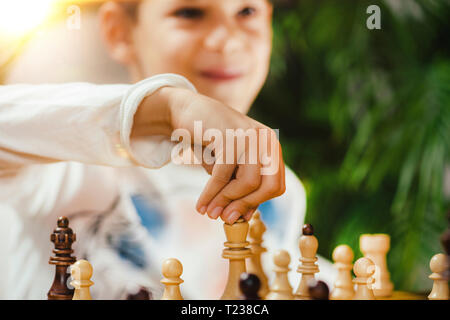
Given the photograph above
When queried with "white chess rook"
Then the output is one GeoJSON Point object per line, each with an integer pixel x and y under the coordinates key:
{"type": "Point", "coordinates": [375, 247]}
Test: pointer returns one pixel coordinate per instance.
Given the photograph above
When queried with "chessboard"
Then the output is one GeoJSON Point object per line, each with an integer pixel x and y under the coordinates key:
{"type": "Point", "coordinates": [246, 276]}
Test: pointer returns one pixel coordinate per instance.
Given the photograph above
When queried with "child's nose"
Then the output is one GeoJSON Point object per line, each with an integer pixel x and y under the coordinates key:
{"type": "Point", "coordinates": [223, 39]}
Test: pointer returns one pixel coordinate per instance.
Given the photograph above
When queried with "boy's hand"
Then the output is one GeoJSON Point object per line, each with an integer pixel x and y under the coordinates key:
{"type": "Point", "coordinates": [250, 173]}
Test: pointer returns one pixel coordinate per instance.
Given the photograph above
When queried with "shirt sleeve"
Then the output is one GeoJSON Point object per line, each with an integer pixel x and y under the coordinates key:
{"type": "Point", "coordinates": [80, 122]}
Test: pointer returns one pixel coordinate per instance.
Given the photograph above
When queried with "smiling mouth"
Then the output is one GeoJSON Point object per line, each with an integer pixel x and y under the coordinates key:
{"type": "Point", "coordinates": [221, 75]}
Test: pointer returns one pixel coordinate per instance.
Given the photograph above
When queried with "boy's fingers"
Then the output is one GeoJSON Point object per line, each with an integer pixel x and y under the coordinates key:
{"type": "Point", "coordinates": [272, 186]}
{"type": "Point", "coordinates": [249, 214]}
{"type": "Point", "coordinates": [248, 179]}
{"type": "Point", "coordinates": [239, 209]}
{"type": "Point", "coordinates": [208, 167]}
{"type": "Point", "coordinates": [220, 177]}
{"type": "Point", "coordinates": [232, 218]}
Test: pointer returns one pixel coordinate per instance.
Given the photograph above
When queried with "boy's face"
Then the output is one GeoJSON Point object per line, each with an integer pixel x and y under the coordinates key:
{"type": "Point", "coordinates": [222, 46]}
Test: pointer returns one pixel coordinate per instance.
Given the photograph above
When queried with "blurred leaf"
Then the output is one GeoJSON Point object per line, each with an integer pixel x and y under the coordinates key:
{"type": "Point", "coordinates": [364, 118]}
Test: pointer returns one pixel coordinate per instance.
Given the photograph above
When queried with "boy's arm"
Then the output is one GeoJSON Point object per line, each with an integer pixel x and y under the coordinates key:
{"type": "Point", "coordinates": [120, 125]}
{"type": "Point", "coordinates": [78, 122]}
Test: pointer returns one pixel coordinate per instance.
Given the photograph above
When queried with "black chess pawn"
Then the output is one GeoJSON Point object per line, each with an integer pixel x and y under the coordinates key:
{"type": "Point", "coordinates": [318, 290]}
{"type": "Point", "coordinates": [142, 294]}
{"type": "Point", "coordinates": [62, 237]}
{"type": "Point", "coordinates": [308, 230]}
{"type": "Point", "coordinates": [249, 284]}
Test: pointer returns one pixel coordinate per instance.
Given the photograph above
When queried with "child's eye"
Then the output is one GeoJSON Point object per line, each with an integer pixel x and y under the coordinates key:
{"type": "Point", "coordinates": [189, 13]}
{"type": "Point", "coordinates": [246, 12]}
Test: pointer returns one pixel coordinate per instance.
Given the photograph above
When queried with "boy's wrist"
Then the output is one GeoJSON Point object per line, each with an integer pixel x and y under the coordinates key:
{"type": "Point", "coordinates": [178, 100]}
{"type": "Point", "coordinates": [154, 115]}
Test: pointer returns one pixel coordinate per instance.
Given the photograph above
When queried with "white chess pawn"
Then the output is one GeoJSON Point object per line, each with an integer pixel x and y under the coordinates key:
{"type": "Point", "coordinates": [172, 270]}
{"type": "Point", "coordinates": [81, 272]}
{"type": "Point", "coordinates": [281, 289]}
{"type": "Point", "coordinates": [364, 268]}
{"type": "Point", "coordinates": [438, 265]}
{"type": "Point", "coordinates": [343, 287]}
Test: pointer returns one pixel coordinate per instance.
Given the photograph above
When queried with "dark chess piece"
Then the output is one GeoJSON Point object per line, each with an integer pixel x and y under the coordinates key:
{"type": "Point", "coordinates": [249, 284]}
{"type": "Point", "coordinates": [142, 294]}
{"type": "Point", "coordinates": [308, 230]}
{"type": "Point", "coordinates": [318, 290]}
{"type": "Point", "coordinates": [62, 237]}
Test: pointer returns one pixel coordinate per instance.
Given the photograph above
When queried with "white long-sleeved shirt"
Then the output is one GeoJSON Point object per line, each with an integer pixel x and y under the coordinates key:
{"type": "Point", "coordinates": [65, 151]}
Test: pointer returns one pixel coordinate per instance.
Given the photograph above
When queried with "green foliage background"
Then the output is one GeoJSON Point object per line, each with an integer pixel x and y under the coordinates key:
{"type": "Point", "coordinates": [364, 119]}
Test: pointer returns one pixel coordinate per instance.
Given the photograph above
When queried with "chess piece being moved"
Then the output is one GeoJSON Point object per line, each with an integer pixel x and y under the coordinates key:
{"type": "Point", "coordinates": [172, 270]}
{"type": "Point", "coordinates": [281, 289]}
{"type": "Point", "coordinates": [257, 229]}
{"type": "Point", "coordinates": [62, 237]}
{"type": "Point", "coordinates": [364, 269]}
{"type": "Point", "coordinates": [318, 290]}
{"type": "Point", "coordinates": [375, 247]}
{"type": "Point", "coordinates": [249, 285]}
{"type": "Point", "coordinates": [236, 252]}
{"type": "Point", "coordinates": [308, 245]}
{"type": "Point", "coordinates": [343, 287]}
{"type": "Point", "coordinates": [438, 266]}
{"type": "Point", "coordinates": [81, 274]}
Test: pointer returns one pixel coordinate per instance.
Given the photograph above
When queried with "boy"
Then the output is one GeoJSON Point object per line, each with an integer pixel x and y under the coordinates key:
{"type": "Point", "coordinates": [84, 151]}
